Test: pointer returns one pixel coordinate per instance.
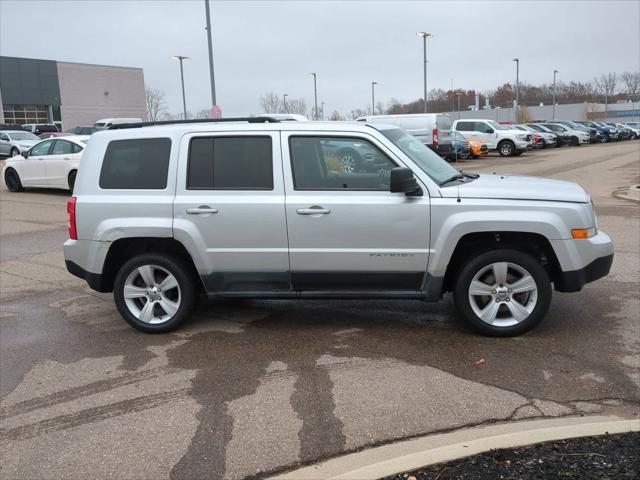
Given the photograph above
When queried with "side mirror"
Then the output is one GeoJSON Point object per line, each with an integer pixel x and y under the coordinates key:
{"type": "Point", "coordinates": [25, 153]}
{"type": "Point", "coordinates": [489, 130]}
{"type": "Point", "coordinates": [403, 181]}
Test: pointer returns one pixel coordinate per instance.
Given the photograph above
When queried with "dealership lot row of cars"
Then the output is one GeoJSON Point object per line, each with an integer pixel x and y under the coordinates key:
{"type": "Point", "coordinates": [41, 156]}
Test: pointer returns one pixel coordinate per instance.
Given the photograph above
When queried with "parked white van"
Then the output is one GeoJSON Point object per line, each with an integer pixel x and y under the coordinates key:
{"type": "Point", "coordinates": [432, 129]}
{"type": "Point", "coordinates": [105, 123]}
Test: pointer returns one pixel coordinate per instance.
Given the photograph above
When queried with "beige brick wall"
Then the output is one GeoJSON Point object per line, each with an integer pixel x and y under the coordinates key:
{"type": "Point", "coordinates": [91, 92]}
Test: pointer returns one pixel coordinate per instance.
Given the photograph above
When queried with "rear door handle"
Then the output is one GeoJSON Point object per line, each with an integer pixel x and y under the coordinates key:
{"type": "Point", "coordinates": [202, 210]}
{"type": "Point", "coordinates": [313, 211]}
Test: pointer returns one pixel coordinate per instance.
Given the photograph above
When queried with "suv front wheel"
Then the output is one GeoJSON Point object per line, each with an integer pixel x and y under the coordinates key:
{"type": "Point", "coordinates": [154, 293]}
{"type": "Point", "coordinates": [503, 292]}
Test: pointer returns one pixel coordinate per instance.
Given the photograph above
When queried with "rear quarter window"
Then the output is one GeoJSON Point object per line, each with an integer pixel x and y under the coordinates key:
{"type": "Point", "coordinates": [136, 164]}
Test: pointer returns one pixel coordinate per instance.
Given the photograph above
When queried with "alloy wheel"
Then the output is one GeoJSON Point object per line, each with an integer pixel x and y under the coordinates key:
{"type": "Point", "coordinates": [152, 294]}
{"type": "Point", "coordinates": [503, 294]}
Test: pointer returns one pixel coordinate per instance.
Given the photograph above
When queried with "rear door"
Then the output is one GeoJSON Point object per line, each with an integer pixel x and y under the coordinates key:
{"type": "Point", "coordinates": [58, 163]}
{"type": "Point", "coordinates": [347, 231]}
{"type": "Point", "coordinates": [229, 206]}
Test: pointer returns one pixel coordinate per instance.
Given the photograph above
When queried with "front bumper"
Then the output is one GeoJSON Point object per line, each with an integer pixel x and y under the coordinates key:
{"type": "Point", "coordinates": [582, 261]}
{"type": "Point", "coordinates": [524, 145]}
{"type": "Point", "coordinates": [574, 281]}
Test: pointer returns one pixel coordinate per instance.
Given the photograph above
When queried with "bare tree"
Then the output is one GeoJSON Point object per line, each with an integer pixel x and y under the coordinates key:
{"type": "Point", "coordinates": [380, 108]}
{"type": "Point", "coordinates": [155, 102]}
{"type": "Point", "coordinates": [202, 114]}
{"type": "Point", "coordinates": [272, 103]}
{"type": "Point", "coordinates": [606, 84]}
{"type": "Point", "coordinates": [357, 112]}
{"type": "Point", "coordinates": [335, 116]}
{"type": "Point", "coordinates": [631, 82]}
{"type": "Point", "coordinates": [297, 106]}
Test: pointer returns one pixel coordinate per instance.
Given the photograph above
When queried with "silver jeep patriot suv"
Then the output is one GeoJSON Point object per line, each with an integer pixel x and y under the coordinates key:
{"type": "Point", "coordinates": [257, 208]}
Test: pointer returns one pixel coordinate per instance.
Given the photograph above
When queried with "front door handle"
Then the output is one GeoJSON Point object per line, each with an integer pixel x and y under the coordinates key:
{"type": "Point", "coordinates": [202, 210]}
{"type": "Point", "coordinates": [315, 210]}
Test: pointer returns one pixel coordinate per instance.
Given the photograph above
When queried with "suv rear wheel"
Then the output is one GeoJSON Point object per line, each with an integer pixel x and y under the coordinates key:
{"type": "Point", "coordinates": [503, 292]}
{"type": "Point", "coordinates": [154, 293]}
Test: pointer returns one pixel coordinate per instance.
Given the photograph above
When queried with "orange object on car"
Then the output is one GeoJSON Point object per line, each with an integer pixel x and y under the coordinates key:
{"type": "Point", "coordinates": [478, 147]}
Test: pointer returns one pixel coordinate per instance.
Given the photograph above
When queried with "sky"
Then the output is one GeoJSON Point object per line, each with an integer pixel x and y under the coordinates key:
{"type": "Point", "coordinates": [266, 46]}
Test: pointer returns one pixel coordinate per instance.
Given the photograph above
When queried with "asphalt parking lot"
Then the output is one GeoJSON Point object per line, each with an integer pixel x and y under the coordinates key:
{"type": "Point", "coordinates": [249, 387]}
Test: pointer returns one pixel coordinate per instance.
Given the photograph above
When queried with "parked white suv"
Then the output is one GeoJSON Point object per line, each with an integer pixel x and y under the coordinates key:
{"type": "Point", "coordinates": [506, 141]}
{"type": "Point", "coordinates": [262, 209]}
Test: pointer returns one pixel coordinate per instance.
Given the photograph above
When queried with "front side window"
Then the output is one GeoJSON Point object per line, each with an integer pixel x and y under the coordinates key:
{"type": "Point", "coordinates": [41, 148]}
{"type": "Point", "coordinates": [338, 163]}
{"type": "Point", "coordinates": [136, 164]}
{"type": "Point", "coordinates": [62, 147]}
{"type": "Point", "coordinates": [426, 159]}
{"type": "Point", "coordinates": [465, 126]}
{"type": "Point", "coordinates": [230, 163]}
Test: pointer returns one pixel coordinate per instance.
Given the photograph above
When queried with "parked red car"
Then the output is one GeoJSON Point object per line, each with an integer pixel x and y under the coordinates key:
{"type": "Point", "coordinates": [53, 134]}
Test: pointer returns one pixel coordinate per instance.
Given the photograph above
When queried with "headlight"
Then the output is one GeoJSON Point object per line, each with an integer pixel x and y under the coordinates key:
{"type": "Point", "coordinates": [521, 137]}
{"type": "Point", "coordinates": [24, 146]}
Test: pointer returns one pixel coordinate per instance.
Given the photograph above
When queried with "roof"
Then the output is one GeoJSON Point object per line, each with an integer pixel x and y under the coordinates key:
{"type": "Point", "coordinates": [315, 126]}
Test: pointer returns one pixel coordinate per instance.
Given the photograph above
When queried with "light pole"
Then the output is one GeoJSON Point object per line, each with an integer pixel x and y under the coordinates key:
{"type": "Point", "coordinates": [284, 100]}
{"type": "Point", "coordinates": [554, 94]}
{"type": "Point", "coordinates": [497, 114]}
{"type": "Point", "coordinates": [373, 98]}
{"type": "Point", "coordinates": [322, 111]}
{"type": "Point", "coordinates": [517, 60]}
{"type": "Point", "coordinates": [424, 36]}
{"type": "Point", "coordinates": [184, 101]}
{"type": "Point", "coordinates": [208, 29]}
{"type": "Point", "coordinates": [458, 94]}
{"type": "Point", "coordinates": [315, 96]}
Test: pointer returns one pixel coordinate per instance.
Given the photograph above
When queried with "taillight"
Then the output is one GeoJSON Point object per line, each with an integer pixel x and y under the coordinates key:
{"type": "Point", "coordinates": [435, 136]}
{"type": "Point", "coordinates": [71, 211]}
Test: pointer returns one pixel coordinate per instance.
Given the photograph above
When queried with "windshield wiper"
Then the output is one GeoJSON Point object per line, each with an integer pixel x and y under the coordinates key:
{"type": "Point", "coordinates": [461, 175]}
{"type": "Point", "coordinates": [457, 176]}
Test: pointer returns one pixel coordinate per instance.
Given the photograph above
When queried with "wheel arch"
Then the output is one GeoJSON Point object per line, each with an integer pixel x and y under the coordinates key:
{"type": "Point", "coordinates": [123, 249]}
{"type": "Point", "coordinates": [472, 244]}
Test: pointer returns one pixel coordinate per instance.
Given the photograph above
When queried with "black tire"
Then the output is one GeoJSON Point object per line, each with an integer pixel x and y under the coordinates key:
{"type": "Point", "coordinates": [71, 180]}
{"type": "Point", "coordinates": [607, 138]}
{"type": "Point", "coordinates": [12, 180]}
{"type": "Point", "coordinates": [186, 291]}
{"type": "Point", "coordinates": [349, 159]}
{"type": "Point", "coordinates": [575, 142]}
{"type": "Point", "coordinates": [14, 152]}
{"type": "Point", "coordinates": [506, 148]}
{"type": "Point", "coordinates": [514, 257]}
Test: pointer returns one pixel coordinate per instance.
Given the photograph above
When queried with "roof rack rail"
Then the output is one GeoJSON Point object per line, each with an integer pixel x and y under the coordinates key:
{"type": "Point", "coordinates": [119, 126]}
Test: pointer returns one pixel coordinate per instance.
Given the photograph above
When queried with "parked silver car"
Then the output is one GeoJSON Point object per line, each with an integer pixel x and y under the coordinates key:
{"type": "Point", "coordinates": [263, 210]}
{"type": "Point", "coordinates": [14, 142]}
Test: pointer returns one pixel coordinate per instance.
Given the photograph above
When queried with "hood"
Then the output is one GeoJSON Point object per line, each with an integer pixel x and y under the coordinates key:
{"type": "Point", "coordinates": [31, 143]}
{"type": "Point", "coordinates": [518, 187]}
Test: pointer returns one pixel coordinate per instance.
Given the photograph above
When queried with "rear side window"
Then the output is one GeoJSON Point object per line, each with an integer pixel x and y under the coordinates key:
{"type": "Point", "coordinates": [136, 164]}
{"type": "Point", "coordinates": [230, 163]}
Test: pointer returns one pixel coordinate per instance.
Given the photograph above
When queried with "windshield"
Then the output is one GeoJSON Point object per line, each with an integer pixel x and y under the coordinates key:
{"type": "Point", "coordinates": [496, 125]}
{"type": "Point", "coordinates": [23, 136]}
{"type": "Point", "coordinates": [427, 160]}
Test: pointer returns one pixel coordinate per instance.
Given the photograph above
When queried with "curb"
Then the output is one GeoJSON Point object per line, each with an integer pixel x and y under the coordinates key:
{"type": "Point", "coordinates": [386, 460]}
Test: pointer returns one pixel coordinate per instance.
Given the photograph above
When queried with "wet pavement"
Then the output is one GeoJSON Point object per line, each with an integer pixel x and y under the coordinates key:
{"type": "Point", "coordinates": [248, 387]}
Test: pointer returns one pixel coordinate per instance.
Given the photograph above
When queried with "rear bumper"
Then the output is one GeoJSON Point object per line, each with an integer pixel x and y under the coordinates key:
{"type": "Point", "coordinates": [96, 281]}
{"type": "Point", "coordinates": [574, 281]}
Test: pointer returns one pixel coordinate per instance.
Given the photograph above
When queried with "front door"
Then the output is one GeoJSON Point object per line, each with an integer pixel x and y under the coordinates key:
{"type": "Point", "coordinates": [5, 146]}
{"type": "Point", "coordinates": [58, 163]}
{"type": "Point", "coordinates": [346, 230]}
{"type": "Point", "coordinates": [229, 205]}
{"type": "Point", "coordinates": [32, 168]}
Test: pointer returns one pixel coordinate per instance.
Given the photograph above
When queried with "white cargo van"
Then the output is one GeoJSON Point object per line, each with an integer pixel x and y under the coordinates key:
{"type": "Point", "coordinates": [432, 129]}
{"type": "Point", "coordinates": [105, 123]}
